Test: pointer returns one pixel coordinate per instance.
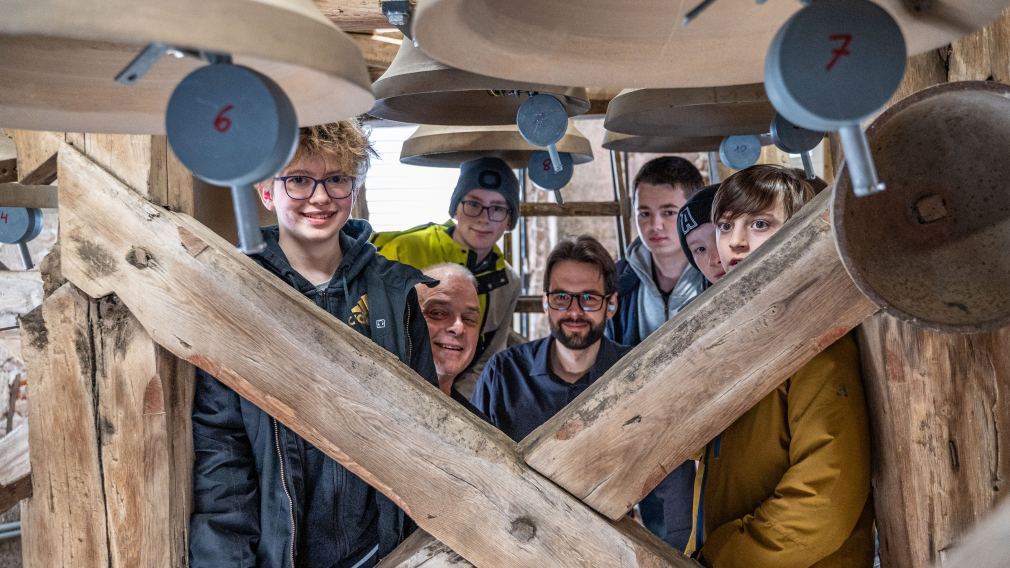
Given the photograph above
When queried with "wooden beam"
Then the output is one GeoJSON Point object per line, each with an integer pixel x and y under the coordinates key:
{"type": "Point", "coordinates": [67, 491]}
{"type": "Point", "coordinates": [204, 301]}
{"type": "Point", "coordinates": [378, 50]}
{"type": "Point", "coordinates": [422, 549]}
{"type": "Point", "coordinates": [8, 169]}
{"type": "Point", "coordinates": [21, 195]}
{"type": "Point", "coordinates": [744, 336]}
{"type": "Point", "coordinates": [986, 546]}
{"type": "Point", "coordinates": [530, 305]}
{"type": "Point", "coordinates": [354, 15]}
{"type": "Point", "coordinates": [20, 293]}
{"type": "Point", "coordinates": [15, 467]}
{"type": "Point", "coordinates": [570, 209]}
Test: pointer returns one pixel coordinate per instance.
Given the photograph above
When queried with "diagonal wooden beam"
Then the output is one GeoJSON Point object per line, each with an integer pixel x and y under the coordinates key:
{"type": "Point", "coordinates": [702, 370]}
{"type": "Point", "coordinates": [422, 549]}
{"type": "Point", "coordinates": [459, 478]}
{"type": "Point", "coordinates": [15, 467]}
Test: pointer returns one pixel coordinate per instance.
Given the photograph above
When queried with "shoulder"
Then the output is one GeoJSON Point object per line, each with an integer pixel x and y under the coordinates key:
{"type": "Point", "coordinates": [627, 279]}
{"type": "Point", "coordinates": [842, 356]}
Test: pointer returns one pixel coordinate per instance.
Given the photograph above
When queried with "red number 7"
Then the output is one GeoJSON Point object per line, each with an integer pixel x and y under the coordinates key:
{"type": "Point", "coordinates": [840, 51]}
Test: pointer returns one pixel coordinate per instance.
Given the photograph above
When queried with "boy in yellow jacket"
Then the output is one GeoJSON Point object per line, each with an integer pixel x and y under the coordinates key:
{"type": "Point", "coordinates": [788, 484]}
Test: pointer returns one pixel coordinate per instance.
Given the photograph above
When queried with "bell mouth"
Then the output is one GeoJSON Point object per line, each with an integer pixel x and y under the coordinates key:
{"type": "Point", "coordinates": [934, 247]}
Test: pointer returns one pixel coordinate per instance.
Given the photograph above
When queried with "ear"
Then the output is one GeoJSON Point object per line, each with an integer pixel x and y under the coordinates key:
{"type": "Point", "coordinates": [612, 306]}
{"type": "Point", "coordinates": [265, 193]}
{"type": "Point", "coordinates": [546, 306]}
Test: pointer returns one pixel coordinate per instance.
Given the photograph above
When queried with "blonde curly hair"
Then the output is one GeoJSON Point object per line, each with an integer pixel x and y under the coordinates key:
{"type": "Point", "coordinates": [344, 144]}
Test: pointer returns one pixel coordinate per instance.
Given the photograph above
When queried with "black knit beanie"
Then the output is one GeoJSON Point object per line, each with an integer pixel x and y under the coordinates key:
{"type": "Point", "coordinates": [492, 174]}
{"type": "Point", "coordinates": [696, 212]}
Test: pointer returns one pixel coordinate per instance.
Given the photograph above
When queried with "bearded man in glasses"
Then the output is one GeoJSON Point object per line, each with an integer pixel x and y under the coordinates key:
{"type": "Point", "coordinates": [524, 386]}
{"type": "Point", "coordinates": [484, 205]}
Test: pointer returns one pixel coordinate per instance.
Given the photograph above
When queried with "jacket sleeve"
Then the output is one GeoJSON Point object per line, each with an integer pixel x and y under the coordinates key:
{"type": "Point", "coordinates": [499, 341]}
{"type": "Point", "coordinates": [820, 498]}
{"type": "Point", "coordinates": [224, 526]}
{"type": "Point", "coordinates": [420, 344]}
{"type": "Point", "coordinates": [483, 397]}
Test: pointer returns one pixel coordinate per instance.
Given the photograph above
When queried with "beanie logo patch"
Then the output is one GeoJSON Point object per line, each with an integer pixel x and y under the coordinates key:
{"type": "Point", "coordinates": [489, 179]}
{"type": "Point", "coordinates": [687, 221]}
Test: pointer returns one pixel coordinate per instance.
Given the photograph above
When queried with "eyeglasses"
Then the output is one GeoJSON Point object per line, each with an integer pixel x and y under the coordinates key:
{"type": "Point", "coordinates": [302, 187]}
{"type": "Point", "coordinates": [588, 302]}
{"type": "Point", "coordinates": [494, 212]}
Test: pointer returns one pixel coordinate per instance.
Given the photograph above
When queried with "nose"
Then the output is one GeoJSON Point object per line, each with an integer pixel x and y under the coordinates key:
{"type": "Point", "coordinates": [456, 327]}
{"type": "Point", "coordinates": [738, 237]}
{"type": "Point", "coordinates": [713, 257]}
{"type": "Point", "coordinates": [656, 222]}
{"type": "Point", "coordinates": [319, 195]}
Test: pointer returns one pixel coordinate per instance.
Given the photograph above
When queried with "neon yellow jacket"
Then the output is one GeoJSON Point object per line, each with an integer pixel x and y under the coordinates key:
{"type": "Point", "coordinates": [497, 283]}
{"type": "Point", "coordinates": [788, 484]}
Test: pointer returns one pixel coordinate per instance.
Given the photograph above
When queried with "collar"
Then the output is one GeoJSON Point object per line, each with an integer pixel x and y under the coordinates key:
{"type": "Point", "coordinates": [605, 358]}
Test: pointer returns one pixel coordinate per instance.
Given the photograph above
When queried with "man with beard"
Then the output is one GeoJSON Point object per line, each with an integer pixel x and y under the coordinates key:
{"type": "Point", "coordinates": [524, 386]}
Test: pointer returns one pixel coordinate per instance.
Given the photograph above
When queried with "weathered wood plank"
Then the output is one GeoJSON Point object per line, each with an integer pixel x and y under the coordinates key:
{"type": "Point", "coordinates": [423, 550]}
{"type": "Point", "coordinates": [570, 209]}
{"type": "Point", "coordinates": [940, 408]}
{"type": "Point", "coordinates": [15, 467]}
{"type": "Point", "coordinates": [377, 50]}
{"type": "Point", "coordinates": [33, 196]}
{"type": "Point", "coordinates": [207, 303]}
{"type": "Point", "coordinates": [64, 520]}
{"type": "Point", "coordinates": [354, 15]}
{"type": "Point", "coordinates": [987, 546]}
{"type": "Point", "coordinates": [20, 293]}
{"type": "Point", "coordinates": [702, 370]}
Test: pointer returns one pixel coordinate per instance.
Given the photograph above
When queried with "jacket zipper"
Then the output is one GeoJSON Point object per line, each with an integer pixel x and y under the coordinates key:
{"type": "Point", "coordinates": [410, 342]}
{"type": "Point", "coordinates": [284, 485]}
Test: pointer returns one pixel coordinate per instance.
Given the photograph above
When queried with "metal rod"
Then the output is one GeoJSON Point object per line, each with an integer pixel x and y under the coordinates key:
{"type": "Point", "coordinates": [859, 161]}
{"type": "Point", "coordinates": [808, 165]}
{"type": "Point", "coordinates": [26, 258]}
{"type": "Point", "coordinates": [557, 197]}
{"type": "Point", "coordinates": [696, 11]}
{"type": "Point", "coordinates": [618, 221]}
{"type": "Point", "coordinates": [247, 219]}
{"type": "Point", "coordinates": [524, 319]}
{"type": "Point", "coordinates": [552, 149]}
{"type": "Point", "coordinates": [713, 168]}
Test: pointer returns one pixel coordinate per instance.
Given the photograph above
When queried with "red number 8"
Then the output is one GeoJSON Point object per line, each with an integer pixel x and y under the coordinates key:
{"type": "Point", "coordinates": [547, 164]}
{"type": "Point", "coordinates": [221, 122]}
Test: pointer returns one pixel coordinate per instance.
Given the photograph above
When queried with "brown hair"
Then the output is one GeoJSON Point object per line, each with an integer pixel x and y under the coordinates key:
{"type": "Point", "coordinates": [757, 188]}
{"type": "Point", "coordinates": [344, 142]}
{"type": "Point", "coordinates": [583, 248]}
{"type": "Point", "coordinates": [672, 170]}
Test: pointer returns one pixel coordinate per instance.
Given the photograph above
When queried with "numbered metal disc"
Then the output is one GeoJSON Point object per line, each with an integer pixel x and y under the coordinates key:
{"type": "Point", "coordinates": [739, 152]}
{"type": "Point", "coordinates": [542, 120]}
{"type": "Point", "coordinates": [542, 172]}
{"type": "Point", "coordinates": [231, 125]}
{"type": "Point", "coordinates": [793, 139]}
{"type": "Point", "coordinates": [19, 224]}
{"type": "Point", "coordinates": [834, 63]}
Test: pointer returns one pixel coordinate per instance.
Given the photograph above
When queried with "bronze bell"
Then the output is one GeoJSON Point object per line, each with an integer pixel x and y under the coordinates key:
{"type": "Point", "coordinates": [644, 43]}
{"type": "Point", "coordinates": [660, 144]}
{"type": "Point", "coordinates": [709, 111]}
{"type": "Point", "coordinates": [932, 249]}
{"type": "Point", "coordinates": [418, 89]}
{"type": "Point", "coordinates": [449, 146]}
{"type": "Point", "coordinates": [61, 57]}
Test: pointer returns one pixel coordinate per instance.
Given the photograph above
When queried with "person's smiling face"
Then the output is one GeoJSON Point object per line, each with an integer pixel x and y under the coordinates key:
{"type": "Point", "coordinates": [318, 218]}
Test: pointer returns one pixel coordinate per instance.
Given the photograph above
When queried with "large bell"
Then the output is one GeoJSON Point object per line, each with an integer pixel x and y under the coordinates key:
{"type": "Point", "coordinates": [660, 144]}
{"type": "Point", "coordinates": [61, 57]}
{"type": "Point", "coordinates": [450, 146]}
{"type": "Point", "coordinates": [932, 248]}
{"type": "Point", "coordinates": [418, 89]}
{"type": "Point", "coordinates": [644, 43]}
{"type": "Point", "coordinates": [710, 111]}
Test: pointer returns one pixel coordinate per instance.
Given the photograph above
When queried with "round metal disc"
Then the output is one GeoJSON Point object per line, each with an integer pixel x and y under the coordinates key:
{"type": "Point", "coordinates": [793, 139]}
{"type": "Point", "coordinates": [834, 63]}
{"type": "Point", "coordinates": [19, 224]}
{"type": "Point", "coordinates": [231, 125]}
{"type": "Point", "coordinates": [542, 172]}
{"type": "Point", "coordinates": [542, 120]}
{"type": "Point", "coordinates": [739, 152]}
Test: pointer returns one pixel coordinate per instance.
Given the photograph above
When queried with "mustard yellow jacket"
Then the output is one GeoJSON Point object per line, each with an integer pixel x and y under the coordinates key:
{"type": "Point", "coordinates": [497, 284]}
{"type": "Point", "coordinates": [788, 484]}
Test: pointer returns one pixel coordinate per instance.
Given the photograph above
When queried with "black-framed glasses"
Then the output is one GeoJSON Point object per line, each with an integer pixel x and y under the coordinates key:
{"type": "Point", "coordinates": [588, 302]}
{"type": "Point", "coordinates": [301, 187]}
{"type": "Point", "coordinates": [473, 208]}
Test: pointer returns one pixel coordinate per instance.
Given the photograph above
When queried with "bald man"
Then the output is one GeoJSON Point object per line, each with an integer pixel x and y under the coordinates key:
{"type": "Point", "coordinates": [452, 312]}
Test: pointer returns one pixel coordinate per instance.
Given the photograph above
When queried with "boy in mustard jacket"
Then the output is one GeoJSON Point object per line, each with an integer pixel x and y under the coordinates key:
{"type": "Point", "coordinates": [788, 484]}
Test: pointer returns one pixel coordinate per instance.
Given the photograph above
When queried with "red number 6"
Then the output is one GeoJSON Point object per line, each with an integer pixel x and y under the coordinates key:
{"type": "Point", "coordinates": [221, 122]}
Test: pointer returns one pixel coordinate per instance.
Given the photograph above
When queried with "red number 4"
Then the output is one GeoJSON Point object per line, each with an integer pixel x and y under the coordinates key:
{"type": "Point", "coordinates": [840, 51]}
{"type": "Point", "coordinates": [3, 217]}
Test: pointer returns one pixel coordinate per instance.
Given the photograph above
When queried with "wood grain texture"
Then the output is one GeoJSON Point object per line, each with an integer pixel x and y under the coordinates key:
{"type": "Point", "coordinates": [20, 293]}
{"type": "Point", "coordinates": [421, 550]}
{"type": "Point", "coordinates": [940, 408]}
{"type": "Point", "coordinates": [207, 303]}
{"type": "Point", "coordinates": [63, 524]}
{"type": "Point", "coordinates": [32, 196]}
{"type": "Point", "coordinates": [15, 467]}
{"type": "Point", "coordinates": [571, 209]}
{"type": "Point", "coordinates": [354, 15]}
{"type": "Point", "coordinates": [703, 369]}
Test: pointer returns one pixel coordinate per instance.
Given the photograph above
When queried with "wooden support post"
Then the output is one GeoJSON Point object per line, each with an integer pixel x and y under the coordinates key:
{"type": "Point", "coordinates": [423, 550]}
{"type": "Point", "coordinates": [15, 468]}
{"type": "Point", "coordinates": [200, 298]}
{"type": "Point", "coordinates": [702, 370]}
{"type": "Point", "coordinates": [32, 196]}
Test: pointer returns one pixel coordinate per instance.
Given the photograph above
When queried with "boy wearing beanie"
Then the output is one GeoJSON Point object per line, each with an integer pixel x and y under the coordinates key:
{"type": "Point", "coordinates": [696, 232]}
{"type": "Point", "coordinates": [484, 205]}
{"type": "Point", "coordinates": [788, 484]}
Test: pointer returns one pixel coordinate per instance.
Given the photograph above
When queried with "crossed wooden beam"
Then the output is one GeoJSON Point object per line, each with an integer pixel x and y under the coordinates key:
{"type": "Point", "coordinates": [465, 483]}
